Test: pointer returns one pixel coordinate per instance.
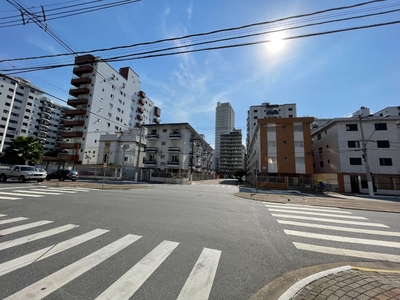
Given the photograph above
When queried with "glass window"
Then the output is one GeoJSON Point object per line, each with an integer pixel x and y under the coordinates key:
{"type": "Point", "coordinates": [385, 162]}
{"type": "Point", "coordinates": [353, 144]}
{"type": "Point", "coordinates": [355, 161]}
{"type": "Point", "coordinates": [351, 127]}
{"type": "Point", "coordinates": [383, 144]}
{"type": "Point", "coordinates": [380, 126]}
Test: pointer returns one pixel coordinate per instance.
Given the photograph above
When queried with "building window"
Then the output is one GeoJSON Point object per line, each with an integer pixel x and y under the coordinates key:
{"type": "Point", "coordinates": [163, 143]}
{"type": "Point", "coordinates": [355, 161]}
{"type": "Point", "coordinates": [320, 150]}
{"type": "Point", "coordinates": [290, 109]}
{"type": "Point", "coordinates": [285, 158]}
{"type": "Point", "coordinates": [351, 127]}
{"type": "Point", "coordinates": [385, 162]}
{"type": "Point", "coordinates": [327, 146]}
{"type": "Point", "coordinates": [284, 143]}
{"type": "Point", "coordinates": [353, 144]}
{"type": "Point", "coordinates": [284, 127]}
{"type": "Point", "coordinates": [164, 130]}
{"type": "Point", "coordinates": [380, 126]}
{"type": "Point", "coordinates": [290, 116]}
{"type": "Point", "coordinates": [255, 117]}
{"type": "Point", "coordinates": [383, 144]}
{"type": "Point", "coordinates": [321, 164]}
{"type": "Point", "coordinates": [175, 157]}
{"type": "Point", "coordinates": [329, 161]}
{"type": "Point", "coordinates": [319, 136]}
{"type": "Point", "coordinates": [255, 110]}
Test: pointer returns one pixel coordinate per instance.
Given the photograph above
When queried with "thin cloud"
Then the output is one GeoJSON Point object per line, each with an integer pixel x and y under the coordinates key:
{"type": "Point", "coordinates": [40, 43]}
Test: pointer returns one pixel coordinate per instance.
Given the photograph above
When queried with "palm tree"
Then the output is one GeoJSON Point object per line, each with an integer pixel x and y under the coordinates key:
{"type": "Point", "coordinates": [23, 149]}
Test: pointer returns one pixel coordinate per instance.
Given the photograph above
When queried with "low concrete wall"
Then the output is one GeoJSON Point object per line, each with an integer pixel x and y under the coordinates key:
{"type": "Point", "coordinates": [169, 180]}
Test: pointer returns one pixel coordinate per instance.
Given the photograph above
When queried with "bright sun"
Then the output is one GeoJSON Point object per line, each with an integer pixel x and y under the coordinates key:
{"type": "Point", "coordinates": [277, 42]}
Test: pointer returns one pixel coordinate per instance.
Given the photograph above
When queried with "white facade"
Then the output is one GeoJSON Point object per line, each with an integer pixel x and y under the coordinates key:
{"type": "Point", "coordinates": [26, 112]}
{"type": "Point", "coordinates": [176, 148]}
{"type": "Point", "coordinates": [337, 148]}
{"type": "Point", "coordinates": [265, 111]}
{"type": "Point", "coordinates": [106, 101]}
{"type": "Point", "coordinates": [224, 123]}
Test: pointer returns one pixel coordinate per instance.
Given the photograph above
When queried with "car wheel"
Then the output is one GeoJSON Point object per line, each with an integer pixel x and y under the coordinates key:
{"type": "Point", "coordinates": [62, 179]}
{"type": "Point", "coordinates": [73, 179]}
{"type": "Point", "coordinates": [40, 180]}
{"type": "Point", "coordinates": [48, 179]}
{"type": "Point", "coordinates": [3, 178]}
{"type": "Point", "coordinates": [21, 178]}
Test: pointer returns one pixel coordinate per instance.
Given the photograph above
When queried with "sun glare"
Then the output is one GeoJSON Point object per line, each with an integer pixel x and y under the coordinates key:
{"type": "Point", "coordinates": [277, 43]}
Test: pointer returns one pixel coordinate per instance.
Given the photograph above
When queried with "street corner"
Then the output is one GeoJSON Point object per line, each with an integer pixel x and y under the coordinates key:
{"type": "Point", "coordinates": [360, 279]}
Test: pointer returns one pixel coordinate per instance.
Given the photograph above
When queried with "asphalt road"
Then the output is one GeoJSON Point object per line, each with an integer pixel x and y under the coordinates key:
{"type": "Point", "coordinates": [186, 238]}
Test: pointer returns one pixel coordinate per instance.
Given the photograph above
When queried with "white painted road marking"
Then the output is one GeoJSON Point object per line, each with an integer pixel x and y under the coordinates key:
{"type": "Point", "coordinates": [300, 205]}
{"type": "Point", "coordinates": [40, 192]}
{"type": "Point", "coordinates": [51, 283]}
{"type": "Point", "coordinates": [9, 198]}
{"type": "Point", "coordinates": [199, 283]}
{"type": "Point", "coordinates": [12, 220]}
{"type": "Point", "coordinates": [316, 214]}
{"type": "Point", "coordinates": [36, 236]}
{"type": "Point", "coordinates": [347, 252]}
{"type": "Point", "coordinates": [330, 220]}
{"type": "Point", "coordinates": [132, 280]}
{"type": "Point", "coordinates": [344, 239]}
{"type": "Point", "coordinates": [30, 258]}
{"type": "Point", "coordinates": [59, 190]}
{"type": "Point", "coordinates": [339, 228]}
{"type": "Point", "coordinates": [3, 215]}
{"type": "Point", "coordinates": [23, 227]}
{"type": "Point", "coordinates": [19, 194]}
{"type": "Point", "coordinates": [308, 208]}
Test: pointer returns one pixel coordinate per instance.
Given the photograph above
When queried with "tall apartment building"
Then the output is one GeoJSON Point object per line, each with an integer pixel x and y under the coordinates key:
{"type": "Point", "coordinates": [105, 101]}
{"type": "Point", "coordinates": [267, 111]}
{"type": "Point", "coordinates": [280, 147]}
{"type": "Point", "coordinates": [27, 112]}
{"type": "Point", "coordinates": [231, 153]}
{"type": "Point", "coordinates": [338, 149]}
{"type": "Point", "coordinates": [224, 123]}
{"type": "Point", "coordinates": [177, 148]}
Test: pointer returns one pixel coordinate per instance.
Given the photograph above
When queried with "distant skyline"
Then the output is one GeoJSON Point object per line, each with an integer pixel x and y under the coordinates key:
{"type": "Point", "coordinates": [327, 76]}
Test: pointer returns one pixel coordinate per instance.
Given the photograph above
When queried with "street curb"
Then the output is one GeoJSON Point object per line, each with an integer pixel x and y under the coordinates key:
{"type": "Point", "coordinates": [295, 288]}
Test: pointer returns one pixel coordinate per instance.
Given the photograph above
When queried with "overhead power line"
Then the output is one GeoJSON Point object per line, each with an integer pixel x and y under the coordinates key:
{"type": "Point", "coordinates": [201, 34]}
{"type": "Point", "coordinates": [127, 58]}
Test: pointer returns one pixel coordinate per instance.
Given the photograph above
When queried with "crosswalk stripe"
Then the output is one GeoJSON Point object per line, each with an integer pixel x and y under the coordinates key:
{"type": "Point", "coordinates": [132, 280]}
{"type": "Point", "coordinates": [309, 208]}
{"type": "Point", "coordinates": [9, 198]}
{"type": "Point", "coordinates": [199, 283]}
{"type": "Point", "coordinates": [330, 220]}
{"type": "Point", "coordinates": [316, 214]}
{"type": "Point", "coordinates": [12, 220]}
{"type": "Point", "coordinates": [344, 239]}
{"type": "Point", "coordinates": [348, 252]}
{"type": "Point", "coordinates": [37, 192]}
{"type": "Point", "coordinates": [299, 205]}
{"type": "Point", "coordinates": [59, 190]}
{"type": "Point", "coordinates": [23, 227]}
{"type": "Point", "coordinates": [19, 194]}
{"type": "Point", "coordinates": [339, 228]}
{"type": "Point", "coordinates": [79, 189]}
{"type": "Point", "coordinates": [35, 236]}
{"type": "Point", "coordinates": [51, 283]}
{"type": "Point", "coordinates": [30, 258]}
{"type": "Point", "coordinates": [3, 215]}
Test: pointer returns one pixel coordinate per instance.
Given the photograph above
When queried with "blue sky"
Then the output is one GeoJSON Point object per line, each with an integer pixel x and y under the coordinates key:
{"type": "Point", "coordinates": [327, 76]}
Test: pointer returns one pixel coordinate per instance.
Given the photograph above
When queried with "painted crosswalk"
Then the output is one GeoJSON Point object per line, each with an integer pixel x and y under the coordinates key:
{"type": "Point", "coordinates": [310, 227]}
{"type": "Point", "coordinates": [196, 284]}
{"type": "Point", "coordinates": [39, 192]}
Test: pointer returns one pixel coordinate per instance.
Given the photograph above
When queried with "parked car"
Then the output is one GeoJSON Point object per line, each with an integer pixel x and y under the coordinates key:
{"type": "Point", "coordinates": [63, 175]}
{"type": "Point", "coordinates": [21, 172]}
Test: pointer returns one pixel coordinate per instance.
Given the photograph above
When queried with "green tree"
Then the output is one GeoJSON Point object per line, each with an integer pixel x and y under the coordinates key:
{"type": "Point", "coordinates": [239, 173]}
{"type": "Point", "coordinates": [23, 150]}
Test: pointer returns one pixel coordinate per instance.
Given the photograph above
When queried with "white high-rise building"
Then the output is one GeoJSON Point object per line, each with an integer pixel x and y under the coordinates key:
{"type": "Point", "coordinates": [27, 112]}
{"type": "Point", "coordinates": [265, 111]}
{"type": "Point", "coordinates": [106, 101]}
{"type": "Point", "coordinates": [224, 123]}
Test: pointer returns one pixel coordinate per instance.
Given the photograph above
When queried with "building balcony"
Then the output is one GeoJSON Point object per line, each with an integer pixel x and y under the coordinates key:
{"type": "Point", "coordinates": [151, 149]}
{"type": "Point", "coordinates": [157, 111]}
{"type": "Point", "coordinates": [75, 112]}
{"type": "Point", "coordinates": [84, 59]}
{"type": "Point", "coordinates": [173, 163]}
{"type": "Point", "coordinates": [68, 134]}
{"type": "Point", "coordinates": [77, 101]}
{"type": "Point", "coordinates": [139, 117]}
{"type": "Point", "coordinates": [141, 101]}
{"type": "Point", "coordinates": [48, 105]}
{"type": "Point", "coordinates": [73, 123]}
{"type": "Point", "coordinates": [80, 80]}
{"type": "Point", "coordinates": [156, 120]}
{"type": "Point", "coordinates": [69, 145]}
{"type": "Point", "coordinates": [140, 110]}
{"type": "Point", "coordinates": [174, 149]}
{"type": "Point", "coordinates": [142, 94]}
{"type": "Point", "coordinates": [150, 163]}
{"type": "Point", "coordinates": [43, 126]}
{"type": "Point", "coordinates": [78, 71]}
{"type": "Point", "coordinates": [153, 136]}
{"type": "Point", "coordinates": [79, 91]}
{"type": "Point", "coordinates": [137, 124]}
{"type": "Point", "coordinates": [175, 136]}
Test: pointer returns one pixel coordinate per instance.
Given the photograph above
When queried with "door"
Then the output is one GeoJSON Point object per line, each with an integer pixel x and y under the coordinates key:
{"type": "Point", "coordinates": [355, 187]}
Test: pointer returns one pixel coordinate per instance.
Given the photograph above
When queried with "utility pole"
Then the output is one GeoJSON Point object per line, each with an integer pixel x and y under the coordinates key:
{"type": "Point", "coordinates": [365, 156]}
{"type": "Point", "coordinates": [191, 163]}
{"type": "Point", "coordinates": [137, 160]}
